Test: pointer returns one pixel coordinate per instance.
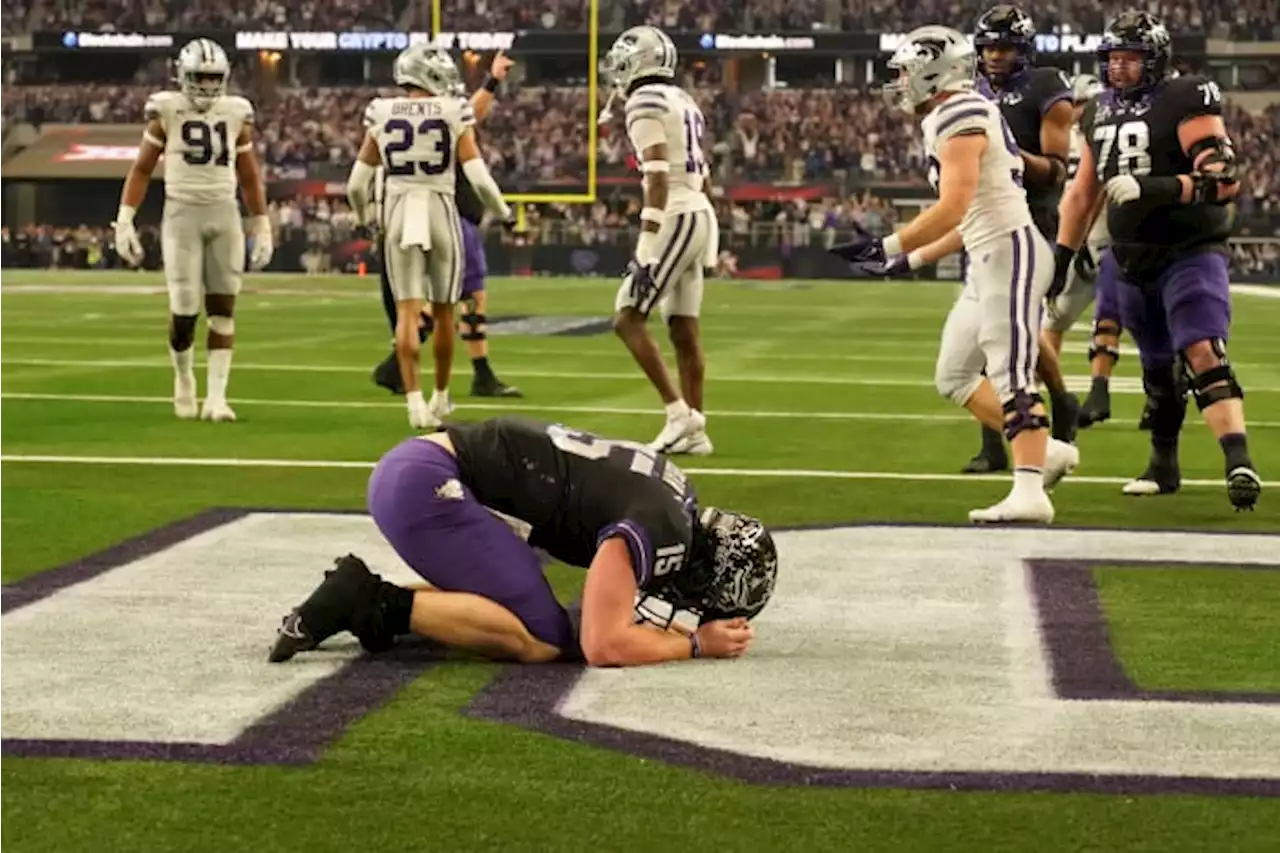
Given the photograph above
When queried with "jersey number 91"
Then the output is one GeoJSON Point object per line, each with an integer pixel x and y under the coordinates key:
{"type": "Point", "coordinates": [436, 139]}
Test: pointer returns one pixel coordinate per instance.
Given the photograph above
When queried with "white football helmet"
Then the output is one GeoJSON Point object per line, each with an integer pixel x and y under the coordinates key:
{"type": "Point", "coordinates": [428, 68]}
{"type": "Point", "coordinates": [202, 70]}
{"type": "Point", "coordinates": [1085, 87]}
{"type": "Point", "coordinates": [638, 53]}
{"type": "Point", "coordinates": [931, 60]}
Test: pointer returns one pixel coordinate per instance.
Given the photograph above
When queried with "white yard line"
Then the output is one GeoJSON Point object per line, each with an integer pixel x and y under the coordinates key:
{"type": "Point", "coordinates": [750, 473]}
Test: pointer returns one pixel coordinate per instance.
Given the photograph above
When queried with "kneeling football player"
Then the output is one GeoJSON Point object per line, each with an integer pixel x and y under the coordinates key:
{"type": "Point", "coordinates": [623, 512]}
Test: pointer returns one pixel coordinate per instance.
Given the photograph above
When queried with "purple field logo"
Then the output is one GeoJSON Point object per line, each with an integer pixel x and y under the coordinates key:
{"type": "Point", "coordinates": [908, 657]}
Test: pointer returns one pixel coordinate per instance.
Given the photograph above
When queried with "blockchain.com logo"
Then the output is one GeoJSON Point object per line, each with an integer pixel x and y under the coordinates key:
{"type": "Point", "coordinates": [69, 39]}
{"type": "Point", "coordinates": [707, 41]}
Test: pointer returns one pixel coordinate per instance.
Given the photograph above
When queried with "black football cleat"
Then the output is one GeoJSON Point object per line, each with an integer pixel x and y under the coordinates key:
{"type": "Point", "coordinates": [292, 637]}
{"type": "Point", "coordinates": [1066, 414]}
{"type": "Point", "coordinates": [1158, 479]}
{"type": "Point", "coordinates": [1244, 486]}
{"type": "Point", "coordinates": [332, 608]}
{"type": "Point", "coordinates": [387, 375]}
{"type": "Point", "coordinates": [983, 463]}
{"type": "Point", "coordinates": [493, 387]}
{"type": "Point", "coordinates": [1095, 409]}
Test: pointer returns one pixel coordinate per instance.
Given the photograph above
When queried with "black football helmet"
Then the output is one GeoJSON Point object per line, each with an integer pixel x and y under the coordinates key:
{"type": "Point", "coordinates": [1140, 32]}
{"type": "Point", "coordinates": [1005, 26]}
{"type": "Point", "coordinates": [731, 571]}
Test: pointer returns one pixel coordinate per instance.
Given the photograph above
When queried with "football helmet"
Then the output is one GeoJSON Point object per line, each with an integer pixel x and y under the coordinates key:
{"type": "Point", "coordinates": [1006, 26]}
{"type": "Point", "coordinates": [201, 71]}
{"type": "Point", "coordinates": [638, 53]}
{"type": "Point", "coordinates": [1085, 87]}
{"type": "Point", "coordinates": [1140, 32]}
{"type": "Point", "coordinates": [931, 60]}
{"type": "Point", "coordinates": [428, 68]}
{"type": "Point", "coordinates": [731, 571]}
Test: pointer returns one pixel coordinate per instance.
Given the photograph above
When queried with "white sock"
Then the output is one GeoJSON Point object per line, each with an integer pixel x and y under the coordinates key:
{"type": "Point", "coordinates": [678, 410]}
{"type": "Point", "coordinates": [219, 372]}
{"type": "Point", "coordinates": [414, 398]}
{"type": "Point", "coordinates": [1028, 480]}
{"type": "Point", "coordinates": [183, 362]}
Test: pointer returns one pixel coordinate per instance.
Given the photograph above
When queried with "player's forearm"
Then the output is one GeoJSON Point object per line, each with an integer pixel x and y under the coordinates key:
{"type": "Point", "coordinates": [484, 185]}
{"type": "Point", "coordinates": [949, 244]}
{"type": "Point", "coordinates": [636, 645]}
{"type": "Point", "coordinates": [1075, 217]}
{"type": "Point", "coordinates": [135, 186]}
{"type": "Point", "coordinates": [932, 225]}
{"type": "Point", "coordinates": [252, 186]}
{"type": "Point", "coordinates": [358, 186]}
{"type": "Point", "coordinates": [1037, 170]}
{"type": "Point", "coordinates": [481, 101]}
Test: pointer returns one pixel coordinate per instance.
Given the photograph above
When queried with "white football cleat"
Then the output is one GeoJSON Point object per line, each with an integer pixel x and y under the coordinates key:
{"type": "Point", "coordinates": [697, 444]}
{"type": "Point", "coordinates": [679, 428]}
{"type": "Point", "coordinates": [420, 414]}
{"type": "Point", "coordinates": [1060, 459]}
{"type": "Point", "coordinates": [1016, 509]}
{"type": "Point", "coordinates": [217, 410]}
{"type": "Point", "coordinates": [184, 398]}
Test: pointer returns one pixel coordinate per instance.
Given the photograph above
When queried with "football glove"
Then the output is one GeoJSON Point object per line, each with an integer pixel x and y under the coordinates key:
{"type": "Point", "coordinates": [864, 248]}
{"type": "Point", "coordinates": [640, 279]}
{"type": "Point", "coordinates": [127, 244]}
{"type": "Point", "coordinates": [898, 265]}
{"type": "Point", "coordinates": [263, 245]}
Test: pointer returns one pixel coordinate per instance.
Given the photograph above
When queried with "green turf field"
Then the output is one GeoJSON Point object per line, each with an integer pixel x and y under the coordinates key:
{"type": "Point", "coordinates": [822, 409]}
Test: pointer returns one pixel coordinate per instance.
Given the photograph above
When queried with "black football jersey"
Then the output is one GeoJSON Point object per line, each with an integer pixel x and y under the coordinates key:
{"type": "Point", "coordinates": [1024, 100]}
{"type": "Point", "coordinates": [1140, 138]}
{"type": "Point", "coordinates": [576, 489]}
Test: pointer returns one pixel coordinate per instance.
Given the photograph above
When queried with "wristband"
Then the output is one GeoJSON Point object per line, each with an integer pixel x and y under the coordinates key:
{"type": "Point", "coordinates": [892, 245]}
{"type": "Point", "coordinates": [695, 646]}
{"type": "Point", "coordinates": [491, 84]}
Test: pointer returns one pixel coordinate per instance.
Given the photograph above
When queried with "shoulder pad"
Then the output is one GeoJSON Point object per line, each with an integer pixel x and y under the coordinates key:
{"type": "Point", "coordinates": [241, 106]}
{"type": "Point", "coordinates": [159, 105]}
{"type": "Point", "coordinates": [1193, 95]}
{"type": "Point", "coordinates": [466, 113]}
{"type": "Point", "coordinates": [647, 102]}
{"type": "Point", "coordinates": [961, 114]}
{"type": "Point", "coordinates": [371, 113]}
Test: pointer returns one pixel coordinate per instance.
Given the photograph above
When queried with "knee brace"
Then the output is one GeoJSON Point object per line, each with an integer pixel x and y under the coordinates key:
{"type": "Point", "coordinates": [1104, 327]}
{"type": "Point", "coordinates": [1215, 384]}
{"type": "Point", "coordinates": [1020, 406]}
{"type": "Point", "coordinates": [223, 325]}
{"type": "Point", "coordinates": [182, 331]}
{"type": "Point", "coordinates": [1166, 404]}
{"type": "Point", "coordinates": [471, 323]}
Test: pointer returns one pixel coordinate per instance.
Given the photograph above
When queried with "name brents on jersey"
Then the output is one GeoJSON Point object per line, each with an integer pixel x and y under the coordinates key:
{"type": "Point", "coordinates": [371, 41]}
{"type": "Point", "coordinates": [419, 108]}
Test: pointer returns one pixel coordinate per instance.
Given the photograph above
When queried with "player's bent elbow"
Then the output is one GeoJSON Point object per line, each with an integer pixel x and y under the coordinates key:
{"type": "Point", "coordinates": [603, 652]}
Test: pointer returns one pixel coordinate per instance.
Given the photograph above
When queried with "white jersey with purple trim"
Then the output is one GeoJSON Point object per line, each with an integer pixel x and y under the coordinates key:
{"type": "Point", "coordinates": [662, 114]}
{"type": "Point", "coordinates": [418, 139]}
{"type": "Point", "coordinates": [199, 146]}
{"type": "Point", "coordinates": [999, 205]}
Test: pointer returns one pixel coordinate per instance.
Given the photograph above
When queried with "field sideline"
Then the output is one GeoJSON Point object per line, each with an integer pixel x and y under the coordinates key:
{"type": "Point", "coordinates": [821, 405]}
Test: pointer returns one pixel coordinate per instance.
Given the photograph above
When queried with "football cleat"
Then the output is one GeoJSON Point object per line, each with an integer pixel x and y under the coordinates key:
{"type": "Point", "coordinates": [184, 396]}
{"type": "Point", "coordinates": [387, 375]}
{"type": "Point", "coordinates": [1158, 479]}
{"type": "Point", "coordinates": [1066, 413]}
{"type": "Point", "coordinates": [216, 410]}
{"type": "Point", "coordinates": [1016, 509]}
{"type": "Point", "coordinates": [1060, 459]}
{"type": "Point", "coordinates": [983, 463]}
{"type": "Point", "coordinates": [677, 429]}
{"type": "Point", "coordinates": [697, 444]}
{"type": "Point", "coordinates": [1095, 410]}
{"type": "Point", "coordinates": [1244, 486]}
{"type": "Point", "coordinates": [493, 387]}
{"type": "Point", "coordinates": [291, 637]}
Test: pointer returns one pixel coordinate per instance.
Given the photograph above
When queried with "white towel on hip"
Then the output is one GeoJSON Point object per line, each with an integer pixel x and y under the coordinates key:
{"type": "Point", "coordinates": [415, 222]}
{"type": "Point", "coordinates": [713, 244]}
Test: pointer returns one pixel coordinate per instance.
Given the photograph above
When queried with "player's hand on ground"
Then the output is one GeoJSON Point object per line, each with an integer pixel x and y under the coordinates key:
{"type": "Point", "coordinates": [725, 638]}
{"type": "Point", "coordinates": [1123, 189]}
{"type": "Point", "coordinates": [500, 66]}
{"type": "Point", "coordinates": [127, 244]}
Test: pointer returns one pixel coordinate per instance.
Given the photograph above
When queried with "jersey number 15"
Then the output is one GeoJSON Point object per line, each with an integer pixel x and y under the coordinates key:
{"type": "Point", "coordinates": [693, 129]}
{"type": "Point", "coordinates": [435, 137]}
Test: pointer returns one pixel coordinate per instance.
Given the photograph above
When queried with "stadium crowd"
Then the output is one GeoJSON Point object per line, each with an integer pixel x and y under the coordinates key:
{"type": "Point", "coordinates": [1246, 19]}
{"type": "Point", "coordinates": [539, 134]}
